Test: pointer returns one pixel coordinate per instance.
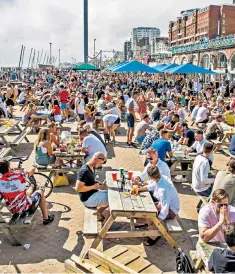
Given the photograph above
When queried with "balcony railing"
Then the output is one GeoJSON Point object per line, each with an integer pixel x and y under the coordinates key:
{"type": "Point", "coordinates": [219, 42]}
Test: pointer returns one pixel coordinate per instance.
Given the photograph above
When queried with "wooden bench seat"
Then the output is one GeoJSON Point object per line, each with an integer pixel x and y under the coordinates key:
{"type": "Point", "coordinates": [173, 226]}
{"type": "Point", "coordinates": [227, 152]}
{"type": "Point", "coordinates": [90, 222]}
{"type": "Point", "coordinates": [203, 200]}
{"type": "Point", "coordinates": [16, 221]}
{"type": "Point", "coordinates": [4, 152]}
{"type": "Point", "coordinates": [20, 137]}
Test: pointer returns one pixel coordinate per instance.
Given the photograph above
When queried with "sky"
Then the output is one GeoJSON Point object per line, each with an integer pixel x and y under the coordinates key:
{"type": "Point", "coordinates": [36, 23]}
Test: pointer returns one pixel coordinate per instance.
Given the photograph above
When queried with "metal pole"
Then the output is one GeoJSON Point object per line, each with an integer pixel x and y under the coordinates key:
{"type": "Point", "coordinates": [94, 52]}
{"type": "Point", "coordinates": [30, 57]}
{"type": "Point", "coordinates": [33, 58]}
{"type": "Point", "coordinates": [50, 53]}
{"type": "Point", "coordinates": [218, 28]}
{"type": "Point", "coordinates": [48, 59]}
{"type": "Point", "coordinates": [44, 58]}
{"type": "Point", "coordinates": [85, 31]}
{"type": "Point", "coordinates": [101, 59]}
{"type": "Point", "coordinates": [41, 57]}
{"type": "Point", "coordinates": [37, 59]}
{"type": "Point", "coordinates": [21, 55]}
{"type": "Point", "coordinates": [59, 57]}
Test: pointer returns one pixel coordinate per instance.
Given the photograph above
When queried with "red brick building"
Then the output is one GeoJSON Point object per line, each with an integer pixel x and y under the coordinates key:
{"type": "Point", "coordinates": [209, 22]}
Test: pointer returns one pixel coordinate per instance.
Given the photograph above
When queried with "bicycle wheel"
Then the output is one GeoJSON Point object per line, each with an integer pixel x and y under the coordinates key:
{"type": "Point", "coordinates": [42, 181]}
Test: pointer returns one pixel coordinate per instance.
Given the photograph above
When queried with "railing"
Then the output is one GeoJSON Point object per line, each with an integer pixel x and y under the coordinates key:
{"type": "Point", "coordinates": [219, 42]}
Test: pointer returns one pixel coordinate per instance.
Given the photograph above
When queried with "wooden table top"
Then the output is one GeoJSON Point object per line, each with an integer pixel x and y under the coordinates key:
{"type": "Point", "coordinates": [6, 129]}
{"type": "Point", "coordinates": [120, 202]}
{"type": "Point", "coordinates": [180, 156]}
{"type": "Point", "coordinates": [205, 250]}
{"type": "Point", "coordinates": [65, 154]}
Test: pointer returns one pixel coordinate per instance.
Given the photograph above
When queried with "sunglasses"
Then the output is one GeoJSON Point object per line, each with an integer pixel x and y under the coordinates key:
{"type": "Point", "coordinates": [150, 159]}
{"type": "Point", "coordinates": [221, 205]}
{"type": "Point", "coordinates": [101, 159]}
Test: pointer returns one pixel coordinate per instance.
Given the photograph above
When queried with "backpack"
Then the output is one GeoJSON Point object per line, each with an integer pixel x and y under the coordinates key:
{"type": "Point", "coordinates": [183, 264]}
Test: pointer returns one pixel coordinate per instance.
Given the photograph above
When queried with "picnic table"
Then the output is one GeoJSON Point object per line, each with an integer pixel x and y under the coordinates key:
{"type": "Point", "coordinates": [122, 204]}
{"type": "Point", "coordinates": [7, 127]}
{"type": "Point", "coordinates": [179, 158]}
{"type": "Point", "coordinates": [71, 158]}
{"type": "Point", "coordinates": [204, 251]}
{"type": "Point", "coordinates": [41, 118]}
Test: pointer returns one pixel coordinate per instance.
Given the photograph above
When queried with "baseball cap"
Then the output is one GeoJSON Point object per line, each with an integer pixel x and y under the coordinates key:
{"type": "Point", "coordinates": [61, 85]}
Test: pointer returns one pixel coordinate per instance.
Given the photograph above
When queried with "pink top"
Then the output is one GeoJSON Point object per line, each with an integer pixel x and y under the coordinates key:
{"type": "Point", "coordinates": [209, 218]}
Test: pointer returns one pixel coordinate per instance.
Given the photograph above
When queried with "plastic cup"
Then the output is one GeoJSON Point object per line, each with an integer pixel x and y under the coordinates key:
{"type": "Point", "coordinates": [130, 175]}
{"type": "Point", "coordinates": [114, 176]}
{"type": "Point", "coordinates": [135, 190]}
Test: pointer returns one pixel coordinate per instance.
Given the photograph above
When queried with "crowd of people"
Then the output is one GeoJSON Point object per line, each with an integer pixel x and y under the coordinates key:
{"type": "Point", "coordinates": [160, 115]}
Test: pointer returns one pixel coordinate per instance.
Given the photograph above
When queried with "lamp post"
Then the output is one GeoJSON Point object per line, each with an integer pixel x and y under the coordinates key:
{"type": "Point", "coordinates": [94, 52]}
{"type": "Point", "coordinates": [50, 53]}
{"type": "Point", "coordinates": [85, 31]}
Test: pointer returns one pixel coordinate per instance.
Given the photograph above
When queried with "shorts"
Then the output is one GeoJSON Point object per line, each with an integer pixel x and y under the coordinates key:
{"type": "Point", "coordinates": [35, 198]}
{"type": "Point", "coordinates": [117, 122]}
{"type": "Point", "coordinates": [207, 192]}
{"type": "Point", "coordinates": [9, 102]}
{"type": "Point", "coordinates": [140, 140]}
{"type": "Point", "coordinates": [45, 161]}
{"type": "Point", "coordinates": [130, 120]}
{"type": "Point", "coordinates": [98, 199]}
{"type": "Point", "coordinates": [81, 117]}
{"type": "Point", "coordinates": [63, 106]}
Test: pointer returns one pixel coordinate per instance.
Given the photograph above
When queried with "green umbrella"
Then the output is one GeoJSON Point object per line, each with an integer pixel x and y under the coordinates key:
{"type": "Point", "coordinates": [85, 67]}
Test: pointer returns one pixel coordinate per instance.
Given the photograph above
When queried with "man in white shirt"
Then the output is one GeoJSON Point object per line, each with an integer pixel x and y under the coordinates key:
{"type": "Point", "coordinates": [152, 157]}
{"type": "Point", "coordinates": [113, 110]}
{"type": "Point", "coordinates": [111, 123]}
{"type": "Point", "coordinates": [202, 114]}
{"type": "Point", "coordinates": [131, 106]}
{"type": "Point", "coordinates": [165, 195]}
{"type": "Point", "coordinates": [198, 144]}
{"type": "Point", "coordinates": [91, 145]}
{"type": "Point", "coordinates": [201, 182]}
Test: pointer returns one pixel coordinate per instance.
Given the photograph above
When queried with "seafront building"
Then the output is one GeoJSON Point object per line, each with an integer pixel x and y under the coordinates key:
{"type": "Point", "coordinates": [206, 37]}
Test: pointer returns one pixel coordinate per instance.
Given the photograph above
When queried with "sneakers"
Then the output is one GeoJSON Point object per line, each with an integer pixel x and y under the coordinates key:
{"type": "Point", "coordinates": [180, 179]}
{"type": "Point", "coordinates": [49, 220]}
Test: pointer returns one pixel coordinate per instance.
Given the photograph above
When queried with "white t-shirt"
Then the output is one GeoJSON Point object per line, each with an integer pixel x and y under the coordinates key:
{"type": "Point", "coordinates": [22, 97]}
{"type": "Point", "coordinates": [131, 101]}
{"type": "Point", "coordinates": [79, 106]}
{"type": "Point", "coordinates": [170, 105]}
{"type": "Point", "coordinates": [93, 145]}
{"type": "Point", "coordinates": [201, 168]}
{"type": "Point", "coordinates": [181, 114]}
{"type": "Point", "coordinates": [126, 97]}
{"type": "Point", "coordinates": [165, 192]}
{"type": "Point", "coordinates": [115, 112]}
{"type": "Point", "coordinates": [202, 114]}
{"type": "Point", "coordinates": [163, 168]}
{"type": "Point", "coordinates": [109, 119]}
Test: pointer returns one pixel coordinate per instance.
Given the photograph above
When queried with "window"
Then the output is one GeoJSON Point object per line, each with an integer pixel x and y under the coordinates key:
{"type": "Point", "coordinates": [223, 22]}
{"type": "Point", "coordinates": [223, 29]}
{"type": "Point", "coordinates": [224, 15]}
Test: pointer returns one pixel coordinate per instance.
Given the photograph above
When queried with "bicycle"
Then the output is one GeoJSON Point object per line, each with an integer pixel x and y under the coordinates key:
{"type": "Point", "coordinates": [39, 180]}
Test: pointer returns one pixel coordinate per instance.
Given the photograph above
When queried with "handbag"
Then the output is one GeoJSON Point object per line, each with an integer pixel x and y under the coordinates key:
{"type": "Point", "coordinates": [60, 180]}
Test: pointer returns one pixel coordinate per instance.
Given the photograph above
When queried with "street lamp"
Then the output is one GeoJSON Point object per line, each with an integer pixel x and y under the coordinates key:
{"type": "Point", "coordinates": [94, 51]}
{"type": "Point", "coordinates": [50, 53]}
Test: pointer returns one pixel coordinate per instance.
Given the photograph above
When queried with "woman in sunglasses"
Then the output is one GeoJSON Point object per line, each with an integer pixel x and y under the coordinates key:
{"type": "Point", "coordinates": [214, 217]}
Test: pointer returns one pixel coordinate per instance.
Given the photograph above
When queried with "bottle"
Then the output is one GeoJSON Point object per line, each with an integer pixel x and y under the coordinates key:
{"type": "Point", "coordinates": [123, 183]}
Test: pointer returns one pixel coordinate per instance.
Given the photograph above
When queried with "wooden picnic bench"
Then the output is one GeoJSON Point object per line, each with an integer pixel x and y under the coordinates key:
{"type": "Point", "coordinates": [129, 206]}
{"type": "Point", "coordinates": [203, 253]}
{"type": "Point", "coordinates": [9, 225]}
{"type": "Point", "coordinates": [4, 152]}
{"type": "Point", "coordinates": [117, 259]}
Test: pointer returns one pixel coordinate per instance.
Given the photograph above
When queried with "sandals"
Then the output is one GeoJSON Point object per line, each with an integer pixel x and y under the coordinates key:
{"type": "Point", "coordinates": [49, 220]}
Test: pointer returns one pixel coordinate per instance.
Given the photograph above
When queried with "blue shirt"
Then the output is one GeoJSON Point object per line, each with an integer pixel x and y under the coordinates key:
{"type": "Point", "coordinates": [232, 144]}
{"type": "Point", "coordinates": [162, 147]}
